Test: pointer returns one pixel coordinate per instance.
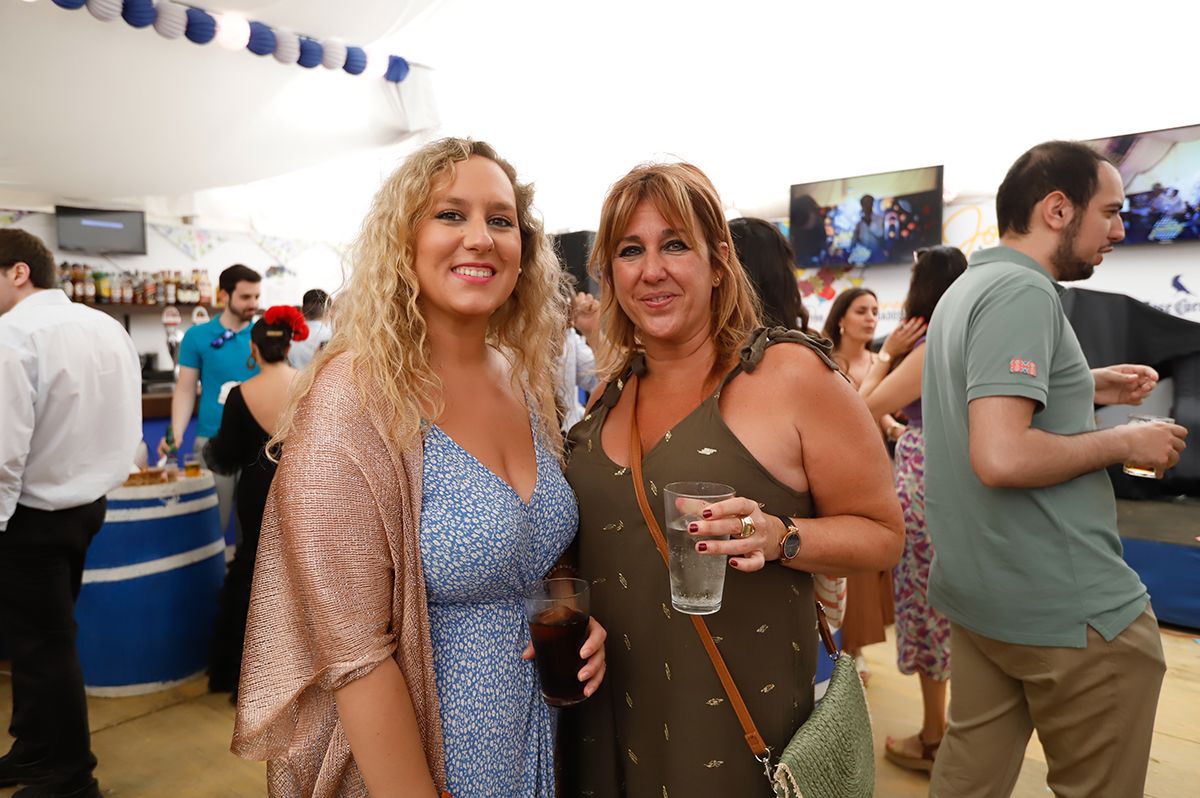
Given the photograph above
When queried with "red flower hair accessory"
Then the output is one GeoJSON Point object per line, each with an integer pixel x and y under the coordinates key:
{"type": "Point", "coordinates": [278, 315]}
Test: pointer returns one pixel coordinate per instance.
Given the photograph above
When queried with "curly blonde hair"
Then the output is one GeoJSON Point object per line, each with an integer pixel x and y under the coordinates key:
{"type": "Point", "coordinates": [380, 323]}
{"type": "Point", "coordinates": [688, 202]}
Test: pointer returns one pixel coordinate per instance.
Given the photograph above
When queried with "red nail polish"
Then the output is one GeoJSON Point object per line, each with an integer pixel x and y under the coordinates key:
{"type": "Point", "coordinates": [733, 564]}
{"type": "Point", "coordinates": [693, 527]}
{"type": "Point", "coordinates": [707, 513]}
{"type": "Point", "coordinates": [701, 547]}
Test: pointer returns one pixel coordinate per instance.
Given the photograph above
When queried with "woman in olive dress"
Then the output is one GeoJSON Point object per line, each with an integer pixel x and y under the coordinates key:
{"type": "Point", "coordinates": [716, 398]}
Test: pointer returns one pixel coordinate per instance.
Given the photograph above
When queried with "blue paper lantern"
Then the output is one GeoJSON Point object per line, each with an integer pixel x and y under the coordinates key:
{"type": "Point", "coordinates": [139, 13]}
{"type": "Point", "coordinates": [397, 69]}
{"type": "Point", "coordinates": [262, 39]}
{"type": "Point", "coordinates": [70, 5]}
{"type": "Point", "coordinates": [201, 27]}
{"type": "Point", "coordinates": [311, 53]}
{"type": "Point", "coordinates": [356, 60]}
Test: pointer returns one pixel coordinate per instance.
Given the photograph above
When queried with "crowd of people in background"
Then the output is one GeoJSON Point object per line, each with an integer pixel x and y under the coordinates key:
{"type": "Point", "coordinates": [463, 421]}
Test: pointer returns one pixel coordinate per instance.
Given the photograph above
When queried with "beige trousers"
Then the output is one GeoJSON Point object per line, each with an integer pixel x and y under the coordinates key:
{"type": "Point", "coordinates": [1093, 709]}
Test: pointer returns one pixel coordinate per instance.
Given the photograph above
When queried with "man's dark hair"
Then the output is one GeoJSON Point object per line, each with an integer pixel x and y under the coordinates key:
{"type": "Point", "coordinates": [19, 246]}
{"type": "Point", "coordinates": [315, 304]}
{"type": "Point", "coordinates": [237, 273]}
{"type": "Point", "coordinates": [1067, 166]}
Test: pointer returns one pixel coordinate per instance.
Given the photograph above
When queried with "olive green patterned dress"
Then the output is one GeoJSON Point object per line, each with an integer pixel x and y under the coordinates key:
{"type": "Point", "coordinates": [661, 726]}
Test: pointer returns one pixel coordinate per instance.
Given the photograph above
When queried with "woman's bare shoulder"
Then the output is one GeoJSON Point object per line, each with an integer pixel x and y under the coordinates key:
{"type": "Point", "coordinates": [793, 365]}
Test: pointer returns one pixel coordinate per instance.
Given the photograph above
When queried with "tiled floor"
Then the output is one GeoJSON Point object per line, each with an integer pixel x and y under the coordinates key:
{"type": "Point", "coordinates": [176, 743]}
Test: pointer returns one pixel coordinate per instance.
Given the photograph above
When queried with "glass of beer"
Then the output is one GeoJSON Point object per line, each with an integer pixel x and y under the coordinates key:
{"type": "Point", "coordinates": [191, 465]}
{"type": "Point", "coordinates": [1135, 470]}
{"type": "Point", "coordinates": [697, 580]}
{"type": "Point", "coordinates": [557, 611]}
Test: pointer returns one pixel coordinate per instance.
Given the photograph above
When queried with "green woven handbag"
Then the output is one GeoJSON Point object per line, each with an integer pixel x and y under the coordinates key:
{"type": "Point", "coordinates": [832, 755]}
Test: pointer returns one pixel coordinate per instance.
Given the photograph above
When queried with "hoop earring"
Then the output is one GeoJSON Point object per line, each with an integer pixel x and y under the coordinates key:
{"type": "Point", "coordinates": [251, 362]}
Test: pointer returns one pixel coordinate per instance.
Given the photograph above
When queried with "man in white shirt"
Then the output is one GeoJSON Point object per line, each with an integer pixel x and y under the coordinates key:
{"type": "Point", "coordinates": [315, 307]}
{"type": "Point", "coordinates": [70, 389]}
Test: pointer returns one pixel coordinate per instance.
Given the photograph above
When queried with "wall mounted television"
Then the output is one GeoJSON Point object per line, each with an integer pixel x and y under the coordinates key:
{"type": "Point", "coordinates": [1161, 173]}
{"type": "Point", "coordinates": [100, 232]}
{"type": "Point", "coordinates": [868, 219]}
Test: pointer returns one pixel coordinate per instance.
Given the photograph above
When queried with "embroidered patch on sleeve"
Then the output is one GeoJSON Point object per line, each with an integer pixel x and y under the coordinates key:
{"type": "Point", "coordinates": [1019, 366]}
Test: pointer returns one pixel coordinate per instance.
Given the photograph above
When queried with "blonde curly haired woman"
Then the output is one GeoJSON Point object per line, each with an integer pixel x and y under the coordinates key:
{"type": "Point", "coordinates": [420, 488]}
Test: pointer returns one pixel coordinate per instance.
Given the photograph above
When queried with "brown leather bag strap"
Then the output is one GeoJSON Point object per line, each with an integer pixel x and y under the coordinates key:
{"type": "Point", "coordinates": [753, 738]}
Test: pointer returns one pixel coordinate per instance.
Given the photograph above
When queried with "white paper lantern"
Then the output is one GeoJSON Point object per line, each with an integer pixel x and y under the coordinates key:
{"type": "Point", "coordinates": [377, 62]}
{"type": "Point", "coordinates": [233, 31]}
{"type": "Point", "coordinates": [104, 10]}
{"type": "Point", "coordinates": [335, 54]}
{"type": "Point", "coordinates": [287, 47]}
{"type": "Point", "coordinates": [171, 21]}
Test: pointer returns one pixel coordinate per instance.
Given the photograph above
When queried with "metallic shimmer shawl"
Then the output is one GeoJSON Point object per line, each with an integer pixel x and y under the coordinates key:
{"type": "Point", "coordinates": [338, 587]}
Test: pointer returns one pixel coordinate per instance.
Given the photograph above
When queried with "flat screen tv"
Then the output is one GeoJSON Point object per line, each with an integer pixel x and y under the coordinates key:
{"type": "Point", "coordinates": [868, 219]}
{"type": "Point", "coordinates": [1161, 173]}
{"type": "Point", "coordinates": [101, 232]}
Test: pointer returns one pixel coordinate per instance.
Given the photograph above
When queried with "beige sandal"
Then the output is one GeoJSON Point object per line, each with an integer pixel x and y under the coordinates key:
{"type": "Point", "coordinates": [924, 762]}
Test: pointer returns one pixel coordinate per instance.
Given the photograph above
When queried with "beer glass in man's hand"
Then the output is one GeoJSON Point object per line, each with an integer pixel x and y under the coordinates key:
{"type": "Point", "coordinates": [1137, 469]}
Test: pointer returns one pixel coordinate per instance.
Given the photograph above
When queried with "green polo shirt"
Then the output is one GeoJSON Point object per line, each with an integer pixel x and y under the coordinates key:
{"type": "Point", "coordinates": [1029, 566]}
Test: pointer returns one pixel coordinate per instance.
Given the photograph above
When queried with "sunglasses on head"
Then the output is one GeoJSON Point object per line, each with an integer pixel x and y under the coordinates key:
{"type": "Point", "coordinates": [220, 340]}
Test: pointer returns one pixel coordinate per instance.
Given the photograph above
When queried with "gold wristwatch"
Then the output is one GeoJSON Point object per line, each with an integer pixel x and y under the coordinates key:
{"type": "Point", "coordinates": [789, 544]}
{"type": "Point", "coordinates": [884, 357]}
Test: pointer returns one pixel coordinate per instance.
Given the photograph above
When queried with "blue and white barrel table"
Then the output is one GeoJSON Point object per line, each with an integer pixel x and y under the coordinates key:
{"type": "Point", "coordinates": [150, 586]}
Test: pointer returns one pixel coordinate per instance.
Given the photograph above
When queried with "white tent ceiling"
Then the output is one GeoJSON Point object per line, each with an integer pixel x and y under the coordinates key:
{"type": "Point", "coordinates": [102, 110]}
{"type": "Point", "coordinates": [760, 94]}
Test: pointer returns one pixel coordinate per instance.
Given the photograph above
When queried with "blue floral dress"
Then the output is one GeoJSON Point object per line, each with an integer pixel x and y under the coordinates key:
{"type": "Point", "coordinates": [480, 543]}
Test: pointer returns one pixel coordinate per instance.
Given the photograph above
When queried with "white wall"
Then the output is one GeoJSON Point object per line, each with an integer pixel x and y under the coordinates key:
{"type": "Point", "coordinates": [306, 265]}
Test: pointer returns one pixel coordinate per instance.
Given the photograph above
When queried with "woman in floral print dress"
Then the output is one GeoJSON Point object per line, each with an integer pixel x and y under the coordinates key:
{"type": "Point", "coordinates": [894, 384]}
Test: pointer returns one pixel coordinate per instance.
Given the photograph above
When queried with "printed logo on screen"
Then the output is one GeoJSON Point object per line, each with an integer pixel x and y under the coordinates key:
{"type": "Point", "coordinates": [1019, 366]}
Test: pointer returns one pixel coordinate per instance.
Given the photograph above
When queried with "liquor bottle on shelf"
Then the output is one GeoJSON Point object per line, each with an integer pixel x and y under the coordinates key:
{"type": "Point", "coordinates": [172, 289]}
{"type": "Point", "coordinates": [89, 287]}
{"type": "Point", "coordinates": [148, 289]}
{"type": "Point", "coordinates": [127, 289]}
{"type": "Point", "coordinates": [206, 297]}
{"type": "Point", "coordinates": [78, 278]}
{"type": "Point", "coordinates": [64, 279]}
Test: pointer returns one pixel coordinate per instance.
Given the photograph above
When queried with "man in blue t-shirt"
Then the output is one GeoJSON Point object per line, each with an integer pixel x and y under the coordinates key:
{"type": "Point", "coordinates": [217, 355]}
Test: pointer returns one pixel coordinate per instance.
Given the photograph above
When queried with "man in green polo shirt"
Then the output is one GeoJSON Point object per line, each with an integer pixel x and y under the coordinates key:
{"type": "Point", "coordinates": [1050, 629]}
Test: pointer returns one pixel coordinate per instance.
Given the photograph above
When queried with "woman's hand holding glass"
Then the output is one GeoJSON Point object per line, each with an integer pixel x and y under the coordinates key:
{"type": "Point", "coordinates": [754, 536]}
{"type": "Point", "coordinates": [592, 652]}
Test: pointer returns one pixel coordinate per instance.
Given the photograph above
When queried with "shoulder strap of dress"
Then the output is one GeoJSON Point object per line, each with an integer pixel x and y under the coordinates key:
{"type": "Point", "coordinates": [751, 353]}
{"type": "Point", "coordinates": [612, 391]}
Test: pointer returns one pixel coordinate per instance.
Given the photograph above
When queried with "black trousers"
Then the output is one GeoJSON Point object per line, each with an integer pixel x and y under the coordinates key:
{"type": "Point", "coordinates": [41, 570]}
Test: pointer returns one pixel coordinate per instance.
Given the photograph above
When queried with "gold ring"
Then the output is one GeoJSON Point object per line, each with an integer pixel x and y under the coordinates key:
{"type": "Point", "coordinates": [747, 527]}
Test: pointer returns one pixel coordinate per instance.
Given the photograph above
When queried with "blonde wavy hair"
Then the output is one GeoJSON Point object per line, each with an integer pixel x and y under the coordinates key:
{"type": "Point", "coordinates": [688, 201]}
{"type": "Point", "coordinates": [379, 320]}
